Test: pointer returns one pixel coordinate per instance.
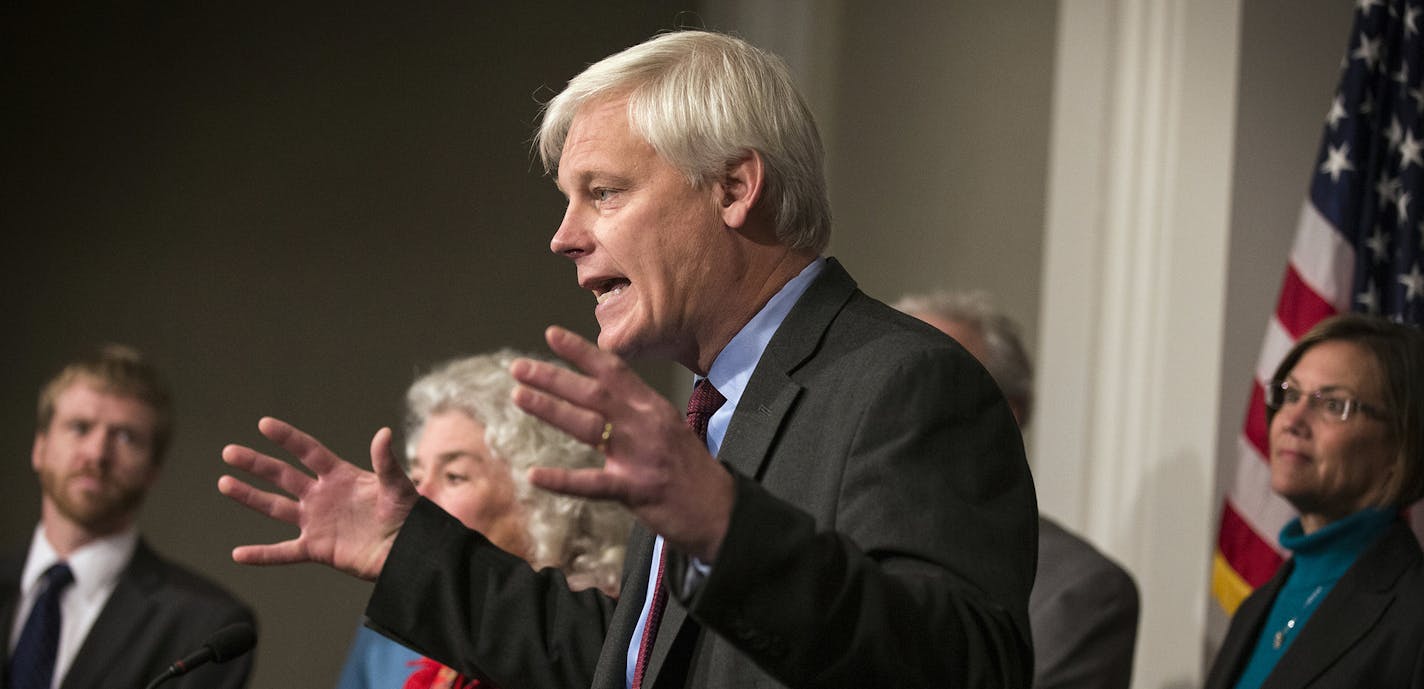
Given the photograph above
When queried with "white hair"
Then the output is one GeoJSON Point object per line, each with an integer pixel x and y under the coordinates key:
{"type": "Point", "coordinates": [702, 100]}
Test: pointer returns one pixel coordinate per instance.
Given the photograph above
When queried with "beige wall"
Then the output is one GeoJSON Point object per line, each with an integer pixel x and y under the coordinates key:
{"type": "Point", "coordinates": [292, 207]}
{"type": "Point", "coordinates": [935, 117]}
{"type": "Point", "coordinates": [1185, 132]}
{"type": "Point", "coordinates": [293, 211]}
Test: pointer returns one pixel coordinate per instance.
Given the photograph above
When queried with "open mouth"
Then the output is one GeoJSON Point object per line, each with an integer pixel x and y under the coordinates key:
{"type": "Point", "coordinates": [609, 289]}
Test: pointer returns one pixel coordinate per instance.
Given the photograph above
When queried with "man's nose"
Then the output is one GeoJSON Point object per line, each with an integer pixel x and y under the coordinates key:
{"type": "Point", "coordinates": [572, 239]}
{"type": "Point", "coordinates": [96, 445]}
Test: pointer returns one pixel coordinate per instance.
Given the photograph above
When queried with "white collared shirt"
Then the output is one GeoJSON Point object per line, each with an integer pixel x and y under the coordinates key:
{"type": "Point", "coordinates": [96, 568]}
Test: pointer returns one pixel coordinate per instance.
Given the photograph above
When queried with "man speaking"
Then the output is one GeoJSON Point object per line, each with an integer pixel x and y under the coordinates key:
{"type": "Point", "coordinates": [845, 502]}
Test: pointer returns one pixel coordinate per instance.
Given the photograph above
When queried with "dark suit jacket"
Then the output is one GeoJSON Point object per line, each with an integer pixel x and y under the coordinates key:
{"type": "Point", "coordinates": [158, 613]}
{"type": "Point", "coordinates": [1369, 632]}
{"type": "Point", "coordinates": [1083, 612]}
{"type": "Point", "coordinates": [883, 535]}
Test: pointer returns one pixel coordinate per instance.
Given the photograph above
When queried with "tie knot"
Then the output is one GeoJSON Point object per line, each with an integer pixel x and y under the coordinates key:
{"type": "Point", "coordinates": [57, 577]}
{"type": "Point", "coordinates": [704, 402]}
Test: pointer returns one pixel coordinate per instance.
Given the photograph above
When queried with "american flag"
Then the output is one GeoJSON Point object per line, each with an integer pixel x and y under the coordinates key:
{"type": "Point", "coordinates": [1357, 247]}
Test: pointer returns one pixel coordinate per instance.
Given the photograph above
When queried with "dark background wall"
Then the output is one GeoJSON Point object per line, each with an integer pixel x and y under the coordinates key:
{"type": "Point", "coordinates": [291, 208]}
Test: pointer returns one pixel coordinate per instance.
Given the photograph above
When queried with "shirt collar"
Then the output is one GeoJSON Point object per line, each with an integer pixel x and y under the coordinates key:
{"type": "Point", "coordinates": [733, 367]}
{"type": "Point", "coordinates": [1333, 548]}
{"type": "Point", "coordinates": [96, 565]}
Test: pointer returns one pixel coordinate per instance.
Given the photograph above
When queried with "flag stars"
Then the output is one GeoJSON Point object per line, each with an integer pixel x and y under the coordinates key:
{"type": "Point", "coordinates": [1368, 300]}
{"type": "Point", "coordinates": [1401, 208]}
{"type": "Point", "coordinates": [1364, 6]}
{"type": "Point", "coordinates": [1411, 20]}
{"type": "Point", "coordinates": [1337, 161]}
{"type": "Point", "coordinates": [1410, 151]}
{"type": "Point", "coordinates": [1413, 283]}
{"type": "Point", "coordinates": [1369, 51]}
{"type": "Point", "coordinates": [1387, 189]}
{"type": "Point", "coordinates": [1378, 245]}
{"type": "Point", "coordinates": [1394, 133]}
{"type": "Point", "coordinates": [1337, 112]}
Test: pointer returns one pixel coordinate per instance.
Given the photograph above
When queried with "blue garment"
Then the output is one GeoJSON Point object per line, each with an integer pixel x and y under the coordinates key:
{"type": "Point", "coordinates": [729, 373]}
{"type": "Point", "coordinates": [1318, 560]}
{"type": "Point", "coordinates": [375, 662]}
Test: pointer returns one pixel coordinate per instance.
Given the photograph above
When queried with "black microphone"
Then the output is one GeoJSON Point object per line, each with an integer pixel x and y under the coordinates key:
{"type": "Point", "coordinates": [228, 643]}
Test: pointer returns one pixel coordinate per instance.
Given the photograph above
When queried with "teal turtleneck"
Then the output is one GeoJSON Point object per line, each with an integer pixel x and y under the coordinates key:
{"type": "Point", "coordinates": [1319, 560]}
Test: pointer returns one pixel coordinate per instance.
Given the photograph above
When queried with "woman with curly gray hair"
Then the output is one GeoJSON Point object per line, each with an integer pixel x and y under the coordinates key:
{"type": "Point", "coordinates": [469, 449]}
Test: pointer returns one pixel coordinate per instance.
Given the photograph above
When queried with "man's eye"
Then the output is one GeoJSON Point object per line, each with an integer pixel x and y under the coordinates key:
{"type": "Point", "coordinates": [80, 428]}
{"type": "Point", "coordinates": [455, 479]}
{"type": "Point", "coordinates": [1290, 395]}
{"type": "Point", "coordinates": [602, 194]}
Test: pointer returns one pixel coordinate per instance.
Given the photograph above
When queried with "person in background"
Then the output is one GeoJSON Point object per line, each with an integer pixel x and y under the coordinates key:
{"type": "Point", "coordinates": [90, 603]}
{"type": "Point", "coordinates": [468, 449]}
{"type": "Point", "coordinates": [1084, 607]}
{"type": "Point", "coordinates": [1345, 418]}
{"type": "Point", "coordinates": [845, 502]}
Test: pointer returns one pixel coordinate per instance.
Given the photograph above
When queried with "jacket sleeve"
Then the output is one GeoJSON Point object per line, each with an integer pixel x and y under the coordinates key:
{"type": "Point", "coordinates": [450, 594]}
{"type": "Point", "coordinates": [1086, 632]}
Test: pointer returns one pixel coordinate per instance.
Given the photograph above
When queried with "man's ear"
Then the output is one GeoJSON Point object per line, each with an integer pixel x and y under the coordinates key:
{"type": "Point", "coordinates": [741, 188]}
{"type": "Point", "coordinates": [37, 450]}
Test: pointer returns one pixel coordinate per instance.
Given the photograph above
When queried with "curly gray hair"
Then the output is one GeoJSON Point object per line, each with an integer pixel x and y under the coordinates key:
{"type": "Point", "coordinates": [583, 538]}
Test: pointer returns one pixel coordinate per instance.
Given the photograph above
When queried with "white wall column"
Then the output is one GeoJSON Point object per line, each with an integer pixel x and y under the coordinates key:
{"type": "Point", "coordinates": [1133, 299]}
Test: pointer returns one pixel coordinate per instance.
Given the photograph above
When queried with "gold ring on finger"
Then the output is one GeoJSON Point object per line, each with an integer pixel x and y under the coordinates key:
{"type": "Point", "coordinates": [602, 445]}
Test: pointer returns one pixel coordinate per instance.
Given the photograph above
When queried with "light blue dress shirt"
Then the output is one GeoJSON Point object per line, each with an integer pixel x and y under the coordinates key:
{"type": "Point", "coordinates": [730, 372]}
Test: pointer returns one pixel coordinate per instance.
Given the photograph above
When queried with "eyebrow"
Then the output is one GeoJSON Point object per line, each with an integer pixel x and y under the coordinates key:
{"type": "Point", "coordinates": [448, 457]}
{"type": "Point", "coordinates": [583, 178]}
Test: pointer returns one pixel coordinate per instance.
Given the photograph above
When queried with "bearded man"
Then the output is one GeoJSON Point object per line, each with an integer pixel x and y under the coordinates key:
{"type": "Point", "coordinates": [90, 603]}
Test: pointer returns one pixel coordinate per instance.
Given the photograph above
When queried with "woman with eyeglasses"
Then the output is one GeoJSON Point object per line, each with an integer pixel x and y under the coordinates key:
{"type": "Point", "coordinates": [1346, 425]}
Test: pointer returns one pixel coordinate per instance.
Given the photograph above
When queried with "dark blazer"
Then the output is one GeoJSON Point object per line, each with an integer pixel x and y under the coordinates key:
{"type": "Point", "coordinates": [158, 613]}
{"type": "Point", "coordinates": [1083, 611]}
{"type": "Point", "coordinates": [883, 534]}
{"type": "Point", "coordinates": [1368, 632]}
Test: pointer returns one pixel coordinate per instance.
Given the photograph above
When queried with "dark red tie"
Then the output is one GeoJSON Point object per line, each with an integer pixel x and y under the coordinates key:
{"type": "Point", "coordinates": [705, 401]}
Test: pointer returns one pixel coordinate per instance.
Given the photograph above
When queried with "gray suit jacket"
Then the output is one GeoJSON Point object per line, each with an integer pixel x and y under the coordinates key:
{"type": "Point", "coordinates": [1368, 632]}
{"type": "Point", "coordinates": [158, 613]}
{"type": "Point", "coordinates": [883, 535]}
{"type": "Point", "coordinates": [1083, 612]}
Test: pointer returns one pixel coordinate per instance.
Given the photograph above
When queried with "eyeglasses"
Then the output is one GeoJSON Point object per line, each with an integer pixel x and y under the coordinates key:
{"type": "Point", "coordinates": [1282, 394]}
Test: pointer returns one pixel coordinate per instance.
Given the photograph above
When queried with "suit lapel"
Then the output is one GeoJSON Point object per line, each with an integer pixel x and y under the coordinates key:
{"type": "Point", "coordinates": [771, 393]}
{"type": "Point", "coordinates": [1351, 610]}
{"type": "Point", "coordinates": [10, 571]}
{"type": "Point", "coordinates": [612, 661]}
{"type": "Point", "coordinates": [1245, 629]}
{"type": "Point", "coordinates": [123, 616]}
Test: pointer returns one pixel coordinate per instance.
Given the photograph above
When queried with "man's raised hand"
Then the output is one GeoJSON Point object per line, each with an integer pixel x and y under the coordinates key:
{"type": "Point", "coordinates": [348, 517]}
